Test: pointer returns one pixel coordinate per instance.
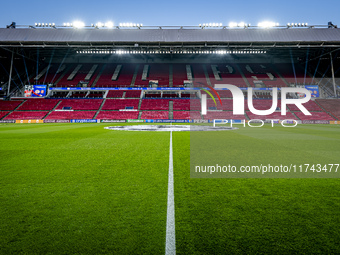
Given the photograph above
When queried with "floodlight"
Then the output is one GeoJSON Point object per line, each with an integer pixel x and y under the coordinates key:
{"type": "Point", "coordinates": [109, 24]}
{"type": "Point", "coordinates": [78, 24]}
{"type": "Point", "coordinates": [267, 24]}
{"type": "Point", "coordinates": [232, 24]}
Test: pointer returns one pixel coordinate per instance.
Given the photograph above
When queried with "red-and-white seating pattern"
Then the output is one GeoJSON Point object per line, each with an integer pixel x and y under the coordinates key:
{"type": "Point", "coordinates": [38, 105]}
{"type": "Point", "coordinates": [68, 115]}
{"type": "Point", "coordinates": [310, 106]}
{"type": "Point", "coordinates": [314, 116]}
{"type": "Point", "coordinates": [132, 94]}
{"type": "Point", "coordinates": [275, 115]}
{"type": "Point", "coordinates": [234, 78]}
{"type": "Point", "coordinates": [9, 105]}
{"type": "Point", "coordinates": [18, 115]}
{"type": "Point", "coordinates": [95, 94]}
{"type": "Point", "coordinates": [155, 115]}
{"type": "Point", "coordinates": [181, 104]}
{"type": "Point", "coordinates": [117, 115]}
{"type": "Point", "coordinates": [123, 80]}
{"type": "Point", "coordinates": [332, 106]}
{"type": "Point", "coordinates": [81, 104]}
{"type": "Point", "coordinates": [51, 76]}
{"type": "Point", "coordinates": [80, 76]}
{"type": "Point", "coordinates": [261, 74]}
{"type": "Point", "coordinates": [3, 114]}
{"type": "Point", "coordinates": [115, 94]}
{"type": "Point", "coordinates": [179, 75]}
{"type": "Point", "coordinates": [155, 104]}
{"type": "Point", "coordinates": [119, 104]}
{"type": "Point", "coordinates": [139, 82]}
{"type": "Point", "coordinates": [187, 115]}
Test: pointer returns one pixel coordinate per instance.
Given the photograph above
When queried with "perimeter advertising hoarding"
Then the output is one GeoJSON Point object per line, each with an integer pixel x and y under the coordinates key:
{"type": "Point", "coordinates": [84, 121]}
{"type": "Point", "coordinates": [29, 121]}
{"type": "Point", "coordinates": [56, 121]}
{"type": "Point", "coordinates": [112, 121]}
{"type": "Point", "coordinates": [7, 121]}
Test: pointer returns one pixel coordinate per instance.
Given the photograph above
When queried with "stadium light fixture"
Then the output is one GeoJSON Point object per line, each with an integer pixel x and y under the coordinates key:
{"type": "Point", "coordinates": [267, 24]}
{"type": "Point", "coordinates": [232, 24]}
{"type": "Point", "coordinates": [109, 24]}
{"type": "Point", "coordinates": [78, 24]}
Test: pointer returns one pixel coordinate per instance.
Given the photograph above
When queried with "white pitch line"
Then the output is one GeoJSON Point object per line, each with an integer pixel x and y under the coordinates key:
{"type": "Point", "coordinates": [170, 243]}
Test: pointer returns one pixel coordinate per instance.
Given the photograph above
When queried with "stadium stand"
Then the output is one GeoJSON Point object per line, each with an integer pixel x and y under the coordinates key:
{"type": "Point", "coordinates": [132, 94]}
{"type": "Point", "coordinates": [155, 104]}
{"type": "Point", "coordinates": [68, 115]}
{"type": "Point", "coordinates": [115, 94]}
{"type": "Point", "coordinates": [18, 115]}
{"type": "Point", "coordinates": [181, 104]}
{"type": "Point", "coordinates": [187, 115]}
{"type": "Point", "coordinates": [179, 75]}
{"type": "Point", "coordinates": [49, 75]}
{"type": "Point", "coordinates": [9, 105]}
{"type": "Point", "coordinates": [275, 115]}
{"type": "Point", "coordinates": [155, 115]}
{"type": "Point", "coordinates": [261, 75]}
{"type": "Point", "coordinates": [123, 79]}
{"type": "Point", "coordinates": [80, 104]}
{"type": "Point", "coordinates": [332, 106]}
{"type": "Point", "coordinates": [314, 116]}
{"type": "Point", "coordinates": [75, 75]}
{"type": "Point", "coordinates": [160, 72]}
{"type": "Point", "coordinates": [310, 106]}
{"type": "Point", "coordinates": [3, 114]}
{"type": "Point", "coordinates": [38, 105]}
{"type": "Point", "coordinates": [227, 74]}
{"type": "Point", "coordinates": [118, 104]}
{"type": "Point", "coordinates": [117, 115]}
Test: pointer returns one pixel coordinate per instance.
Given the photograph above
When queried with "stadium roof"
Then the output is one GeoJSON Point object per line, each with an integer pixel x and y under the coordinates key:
{"type": "Point", "coordinates": [29, 36]}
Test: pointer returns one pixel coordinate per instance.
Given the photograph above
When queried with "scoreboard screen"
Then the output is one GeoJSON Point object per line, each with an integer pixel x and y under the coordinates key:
{"type": "Point", "coordinates": [35, 90]}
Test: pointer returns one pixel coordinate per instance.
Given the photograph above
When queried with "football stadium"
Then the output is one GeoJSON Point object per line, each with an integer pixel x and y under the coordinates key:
{"type": "Point", "coordinates": [133, 139]}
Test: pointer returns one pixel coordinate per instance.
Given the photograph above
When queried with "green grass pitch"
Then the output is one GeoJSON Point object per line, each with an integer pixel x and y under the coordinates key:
{"type": "Point", "coordinates": [80, 189]}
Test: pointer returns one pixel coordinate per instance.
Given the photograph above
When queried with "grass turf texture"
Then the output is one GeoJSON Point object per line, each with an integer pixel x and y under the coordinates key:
{"type": "Point", "coordinates": [77, 188]}
{"type": "Point", "coordinates": [80, 189]}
